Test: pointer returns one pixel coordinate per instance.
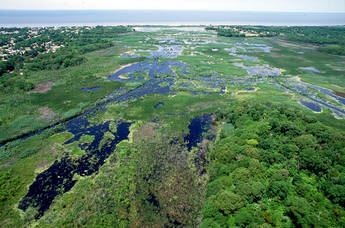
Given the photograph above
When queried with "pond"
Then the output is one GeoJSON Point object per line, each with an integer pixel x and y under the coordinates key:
{"type": "Point", "coordinates": [262, 71]}
{"type": "Point", "coordinates": [312, 69]}
{"type": "Point", "coordinates": [58, 178]}
{"type": "Point", "coordinates": [153, 68]}
{"type": "Point", "coordinates": [262, 47]}
{"type": "Point", "coordinates": [159, 104]}
{"type": "Point", "coordinates": [313, 106]}
{"type": "Point", "coordinates": [197, 127]}
{"type": "Point", "coordinates": [90, 89]}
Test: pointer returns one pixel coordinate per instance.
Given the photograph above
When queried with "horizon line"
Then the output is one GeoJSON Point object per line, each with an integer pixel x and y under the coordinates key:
{"type": "Point", "coordinates": [195, 10]}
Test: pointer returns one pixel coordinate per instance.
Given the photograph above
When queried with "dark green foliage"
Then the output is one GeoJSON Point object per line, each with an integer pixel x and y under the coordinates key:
{"type": "Point", "coordinates": [316, 34]}
{"type": "Point", "coordinates": [312, 160]}
{"type": "Point", "coordinates": [11, 83]}
{"type": "Point", "coordinates": [334, 188]}
{"type": "Point", "coordinates": [285, 177]}
{"type": "Point", "coordinates": [334, 50]}
{"type": "Point", "coordinates": [60, 59]}
{"type": "Point", "coordinates": [209, 223]}
{"type": "Point", "coordinates": [229, 33]}
{"type": "Point", "coordinates": [8, 186]}
{"type": "Point", "coordinates": [252, 191]}
{"type": "Point", "coordinates": [247, 217]}
{"type": "Point", "coordinates": [228, 202]}
{"type": "Point", "coordinates": [6, 66]}
{"type": "Point", "coordinates": [301, 213]}
{"type": "Point", "coordinates": [319, 35]}
{"type": "Point", "coordinates": [278, 188]}
{"type": "Point", "coordinates": [27, 153]}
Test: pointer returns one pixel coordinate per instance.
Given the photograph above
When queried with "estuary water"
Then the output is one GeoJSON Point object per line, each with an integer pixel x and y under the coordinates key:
{"type": "Point", "coordinates": [37, 18]}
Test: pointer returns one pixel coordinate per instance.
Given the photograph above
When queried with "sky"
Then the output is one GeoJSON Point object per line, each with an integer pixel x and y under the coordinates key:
{"type": "Point", "coordinates": [225, 5]}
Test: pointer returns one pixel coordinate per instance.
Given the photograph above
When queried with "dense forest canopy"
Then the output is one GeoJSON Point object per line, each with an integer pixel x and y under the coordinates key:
{"type": "Point", "coordinates": [275, 163]}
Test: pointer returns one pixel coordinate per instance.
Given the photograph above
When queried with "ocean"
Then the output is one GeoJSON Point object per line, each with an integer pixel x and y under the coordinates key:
{"type": "Point", "coordinates": [30, 18]}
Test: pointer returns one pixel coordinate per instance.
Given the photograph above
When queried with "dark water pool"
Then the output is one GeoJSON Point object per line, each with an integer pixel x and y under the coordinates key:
{"type": "Point", "coordinates": [58, 178]}
{"type": "Point", "coordinates": [90, 89]}
{"type": "Point", "coordinates": [158, 105]}
{"type": "Point", "coordinates": [313, 106]}
{"type": "Point", "coordinates": [197, 127]}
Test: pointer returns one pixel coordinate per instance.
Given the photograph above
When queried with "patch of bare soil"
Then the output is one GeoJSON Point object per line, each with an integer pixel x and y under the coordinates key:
{"type": "Point", "coordinates": [123, 77]}
{"type": "Point", "coordinates": [122, 67]}
{"type": "Point", "coordinates": [106, 75]}
{"type": "Point", "coordinates": [46, 113]}
{"type": "Point", "coordinates": [284, 56]}
{"type": "Point", "coordinates": [42, 164]}
{"type": "Point", "coordinates": [121, 51]}
{"type": "Point", "coordinates": [276, 56]}
{"type": "Point", "coordinates": [42, 87]}
{"type": "Point", "coordinates": [340, 94]}
{"type": "Point", "coordinates": [146, 131]}
{"type": "Point", "coordinates": [285, 43]}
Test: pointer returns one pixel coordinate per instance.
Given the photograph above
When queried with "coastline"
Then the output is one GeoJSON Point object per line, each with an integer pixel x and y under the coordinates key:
{"type": "Point", "coordinates": [59, 18]}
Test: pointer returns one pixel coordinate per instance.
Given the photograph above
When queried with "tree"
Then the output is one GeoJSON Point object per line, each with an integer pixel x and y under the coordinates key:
{"type": "Point", "coordinates": [301, 213]}
{"type": "Point", "coordinates": [252, 191]}
{"type": "Point", "coordinates": [246, 217]}
{"type": "Point", "coordinates": [240, 174]}
{"type": "Point", "coordinates": [306, 141]}
{"type": "Point", "coordinates": [289, 150]}
{"type": "Point", "coordinates": [5, 67]}
{"type": "Point", "coordinates": [228, 202]}
{"type": "Point", "coordinates": [311, 159]}
{"type": "Point", "coordinates": [279, 188]}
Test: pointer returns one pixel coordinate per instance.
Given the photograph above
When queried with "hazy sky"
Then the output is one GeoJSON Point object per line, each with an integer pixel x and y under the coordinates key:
{"type": "Point", "coordinates": [252, 5]}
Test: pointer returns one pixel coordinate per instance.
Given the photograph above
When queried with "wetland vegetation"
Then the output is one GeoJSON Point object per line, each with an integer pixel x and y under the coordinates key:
{"type": "Point", "coordinates": [153, 126]}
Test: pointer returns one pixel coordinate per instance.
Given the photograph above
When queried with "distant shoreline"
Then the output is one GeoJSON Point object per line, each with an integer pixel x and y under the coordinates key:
{"type": "Point", "coordinates": [52, 18]}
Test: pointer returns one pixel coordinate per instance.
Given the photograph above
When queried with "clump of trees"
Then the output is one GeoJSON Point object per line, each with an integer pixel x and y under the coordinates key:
{"type": "Point", "coordinates": [10, 84]}
{"type": "Point", "coordinates": [278, 167]}
{"type": "Point", "coordinates": [73, 42]}
{"type": "Point", "coordinates": [60, 59]}
{"type": "Point", "coordinates": [229, 33]}
{"type": "Point", "coordinates": [333, 49]}
{"type": "Point", "coordinates": [331, 39]}
{"type": "Point", "coordinates": [6, 66]}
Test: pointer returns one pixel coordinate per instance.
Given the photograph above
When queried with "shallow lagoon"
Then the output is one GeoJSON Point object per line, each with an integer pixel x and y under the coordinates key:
{"type": "Point", "coordinates": [312, 69]}
{"type": "Point", "coordinates": [312, 106]}
{"type": "Point", "coordinates": [263, 71]}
